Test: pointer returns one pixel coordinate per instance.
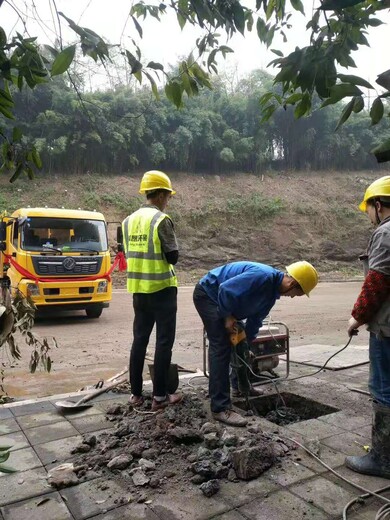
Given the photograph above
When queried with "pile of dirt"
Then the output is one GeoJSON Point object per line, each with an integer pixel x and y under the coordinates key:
{"type": "Point", "coordinates": [153, 452]}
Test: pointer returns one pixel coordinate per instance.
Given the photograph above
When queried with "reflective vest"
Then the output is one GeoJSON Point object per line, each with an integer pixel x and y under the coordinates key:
{"type": "Point", "coordinates": [147, 268]}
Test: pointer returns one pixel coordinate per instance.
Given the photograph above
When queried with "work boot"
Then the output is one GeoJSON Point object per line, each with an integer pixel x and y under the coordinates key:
{"type": "Point", "coordinates": [377, 461]}
{"type": "Point", "coordinates": [229, 417]}
{"type": "Point", "coordinates": [136, 400]}
{"type": "Point", "coordinates": [253, 392]}
{"type": "Point", "coordinates": [171, 399]}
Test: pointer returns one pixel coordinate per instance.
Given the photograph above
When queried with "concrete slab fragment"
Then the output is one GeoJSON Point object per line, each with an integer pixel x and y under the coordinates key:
{"type": "Point", "coordinates": [88, 499]}
{"type": "Point", "coordinates": [17, 440]}
{"type": "Point", "coordinates": [28, 409]}
{"type": "Point", "coordinates": [5, 413]}
{"type": "Point", "coordinates": [39, 419]}
{"type": "Point", "coordinates": [22, 460]}
{"type": "Point", "coordinates": [48, 507]}
{"type": "Point", "coordinates": [41, 434]}
{"type": "Point", "coordinates": [17, 486]}
{"type": "Point", "coordinates": [8, 426]}
{"type": "Point", "coordinates": [316, 355]}
{"type": "Point", "coordinates": [288, 472]}
{"type": "Point", "coordinates": [57, 451]}
{"type": "Point", "coordinates": [314, 429]}
{"type": "Point", "coordinates": [324, 494]}
{"type": "Point", "coordinates": [238, 493]}
{"type": "Point", "coordinates": [281, 505]}
{"type": "Point", "coordinates": [91, 424]}
{"type": "Point", "coordinates": [188, 504]}
{"type": "Point", "coordinates": [131, 511]}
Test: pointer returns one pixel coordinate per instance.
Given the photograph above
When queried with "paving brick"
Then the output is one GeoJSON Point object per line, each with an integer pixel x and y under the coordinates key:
{"type": "Point", "coordinates": [42, 434]}
{"type": "Point", "coordinates": [364, 432]}
{"type": "Point", "coordinates": [39, 419]}
{"type": "Point", "coordinates": [331, 457]}
{"type": "Point", "coordinates": [48, 507]}
{"type": "Point", "coordinates": [346, 421]}
{"type": "Point", "coordinates": [17, 440]}
{"type": "Point", "coordinates": [365, 511]}
{"type": "Point", "coordinates": [324, 494]}
{"type": "Point", "coordinates": [74, 414]}
{"type": "Point", "coordinates": [130, 512]}
{"type": "Point", "coordinates": [87, 499]}
{"type": "Point", "coordinates": [5, 413]}
{"type": "Point", "coordinates": [230, 515]}
{"type": "Point", "coordinates": [288, 472]}
{"type": "Point", "coordinates": [29, 409]}
{"type": "Point", "coordinates": [367, 481]}
{"type": "Point", "coordinates": [188, 504]}
{"type": "Point", "coordinates": [8, 426]}
{"type": "Point", "coordinates": [348, 443]}
{"type": "Point", "coordinates": [239, 493]}
{"type": "Point", "coordinates": [102, 406]}
{"type": "Point", "coordinates": [23, 460]}
{"type": "Point", "coordinates": [19, 486]}
{"type": "Point", "coordinates": [57, 451]}
{"type": "Point", "coordinates": [281, 505]}
{"type": "Point", "coordinates": [91, 424]}
{"type": "Point", "coordinates": [315, 429]}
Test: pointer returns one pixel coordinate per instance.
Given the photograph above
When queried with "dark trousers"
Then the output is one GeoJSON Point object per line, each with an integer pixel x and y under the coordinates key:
{"type": "Point", "coordinates": [156, 308]}
{"type": "Point", "coordinates": [219, 350]}
{"type": "Point", "coordinates": [379, 380]}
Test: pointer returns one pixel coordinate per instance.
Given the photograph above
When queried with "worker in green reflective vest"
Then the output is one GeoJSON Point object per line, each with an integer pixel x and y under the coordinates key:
{"type": "Point", "coordinates": [151, 251]}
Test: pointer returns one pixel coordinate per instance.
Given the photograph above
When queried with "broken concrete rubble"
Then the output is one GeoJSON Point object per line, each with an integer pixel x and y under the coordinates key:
{"type": "Point", "coordinates": [176, 446]}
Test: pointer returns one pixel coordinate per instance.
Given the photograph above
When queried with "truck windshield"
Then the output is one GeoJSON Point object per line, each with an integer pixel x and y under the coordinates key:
{"type": "Point", "coordinates": [49, 234]}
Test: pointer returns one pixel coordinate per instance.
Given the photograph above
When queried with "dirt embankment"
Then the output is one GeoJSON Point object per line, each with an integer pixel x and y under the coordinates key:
{"type": "Point", "coordinates": [274, 218]}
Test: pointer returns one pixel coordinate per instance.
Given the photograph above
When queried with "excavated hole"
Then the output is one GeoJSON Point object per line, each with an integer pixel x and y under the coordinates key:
{"type": "Point", "coordinates": [295, 408]}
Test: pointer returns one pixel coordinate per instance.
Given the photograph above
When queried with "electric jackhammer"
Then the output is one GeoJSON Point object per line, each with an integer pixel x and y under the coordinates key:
{"type": "Point", "coordinates": [240, 359]}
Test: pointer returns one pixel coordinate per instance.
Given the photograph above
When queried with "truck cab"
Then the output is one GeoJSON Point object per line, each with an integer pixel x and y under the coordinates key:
{"type": "Point", "coordinates": [60, 258]}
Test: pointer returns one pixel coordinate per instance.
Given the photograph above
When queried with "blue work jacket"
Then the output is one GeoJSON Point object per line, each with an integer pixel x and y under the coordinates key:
{"type": "Point", "coordinates": [245, 290]}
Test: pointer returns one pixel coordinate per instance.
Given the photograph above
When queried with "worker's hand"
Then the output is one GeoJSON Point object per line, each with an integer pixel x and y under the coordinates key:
{"type": "Point", "coordinates": [353, 326]}
{"type": "Point", "coordinates": [231, 324]}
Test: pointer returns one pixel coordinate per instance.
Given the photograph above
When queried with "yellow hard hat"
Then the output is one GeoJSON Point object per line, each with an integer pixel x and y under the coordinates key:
{"type": "Point", "coordinates": [379, 188]}
{"type": "Point", "coordinates": [155, 180]}
{"type": "Point", "coordinates": [305, 274]}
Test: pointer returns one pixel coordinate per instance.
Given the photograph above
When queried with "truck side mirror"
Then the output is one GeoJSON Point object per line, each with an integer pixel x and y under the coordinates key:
{"type": "Point", "coordinates": [3, 235]}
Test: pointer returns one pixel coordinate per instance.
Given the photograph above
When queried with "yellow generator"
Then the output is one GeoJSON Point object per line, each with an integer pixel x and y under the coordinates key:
{"type": "Point", "coordinates": [60, 258]}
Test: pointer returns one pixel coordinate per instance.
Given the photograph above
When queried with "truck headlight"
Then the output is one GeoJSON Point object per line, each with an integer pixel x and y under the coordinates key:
{"type": "Point", "coordinates": [102, 286]}
{"type": "Point", "coordinates": [32, 289]}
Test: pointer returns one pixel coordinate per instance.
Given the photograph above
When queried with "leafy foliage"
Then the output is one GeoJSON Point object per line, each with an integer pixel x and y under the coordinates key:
{"type": "Point", "coordinates": [123, 130]}
{"type": "Point", "coordinates": [17, 316]}
{"type": "Point", "coordinates": [4, 456]}
{"type": "Point", "coordinates": [337, 29]}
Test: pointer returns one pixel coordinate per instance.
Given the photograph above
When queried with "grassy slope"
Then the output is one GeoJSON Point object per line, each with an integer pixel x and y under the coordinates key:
{"type": "Point", "coordinates": [274, 219]}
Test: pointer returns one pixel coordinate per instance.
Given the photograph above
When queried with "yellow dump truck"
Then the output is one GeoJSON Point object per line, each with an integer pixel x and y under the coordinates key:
{"type": "Point", "coordinates": [60, 258]}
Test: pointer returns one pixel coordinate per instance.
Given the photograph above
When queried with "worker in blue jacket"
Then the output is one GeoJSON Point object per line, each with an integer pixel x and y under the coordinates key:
{"type": "Point", "coordinates": [238, 291]}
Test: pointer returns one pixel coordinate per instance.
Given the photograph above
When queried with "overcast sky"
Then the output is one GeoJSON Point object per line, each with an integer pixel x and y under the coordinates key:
{"type": "Point", "coordinates": [164, 42]}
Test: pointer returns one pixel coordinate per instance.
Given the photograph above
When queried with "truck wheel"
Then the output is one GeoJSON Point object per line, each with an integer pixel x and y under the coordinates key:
{"type": "Point", "coordinates": [93, 312]}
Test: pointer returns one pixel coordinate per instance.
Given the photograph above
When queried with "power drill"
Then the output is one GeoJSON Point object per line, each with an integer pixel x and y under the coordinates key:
{"type": "Point", "coordinates": [240, 357]}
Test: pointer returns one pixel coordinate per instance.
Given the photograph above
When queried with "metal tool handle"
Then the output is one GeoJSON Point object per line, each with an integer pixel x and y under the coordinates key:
{"type": "Point", "coordinates": [100, 391]}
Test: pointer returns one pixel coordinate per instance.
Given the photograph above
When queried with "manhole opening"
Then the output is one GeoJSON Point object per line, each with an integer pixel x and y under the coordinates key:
{"type": "Point", "coordinates": [287, 408]}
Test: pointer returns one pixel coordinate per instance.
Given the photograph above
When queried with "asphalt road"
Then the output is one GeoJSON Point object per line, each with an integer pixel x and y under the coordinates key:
{"type": "Point", "coordinates": [89, 350]}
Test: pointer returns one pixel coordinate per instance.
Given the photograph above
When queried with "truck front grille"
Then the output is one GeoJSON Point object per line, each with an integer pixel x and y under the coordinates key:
{"type": "Point", "coordinates": [67, 265]}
